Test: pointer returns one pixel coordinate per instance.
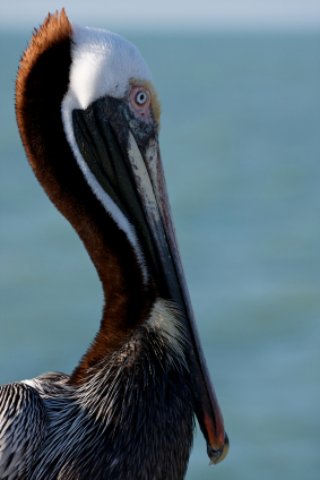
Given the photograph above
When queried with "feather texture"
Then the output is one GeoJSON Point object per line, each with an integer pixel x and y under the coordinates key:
{"type": "Point", "coordinates": [23, 427]}
{"type": "Point", "coordinates": [132, 419]}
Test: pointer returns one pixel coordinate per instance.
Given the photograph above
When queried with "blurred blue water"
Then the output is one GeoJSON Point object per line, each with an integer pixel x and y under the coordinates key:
{"type": "Point", "coordinates": [241, 147]}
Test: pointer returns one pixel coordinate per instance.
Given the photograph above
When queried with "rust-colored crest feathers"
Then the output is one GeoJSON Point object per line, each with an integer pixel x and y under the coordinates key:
{"type": "Point", "coordinates": [54, 29]}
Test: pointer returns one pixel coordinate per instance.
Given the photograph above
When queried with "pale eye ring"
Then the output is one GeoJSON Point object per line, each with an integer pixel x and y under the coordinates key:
{"type": "Point", "coordinates": [141, 97]}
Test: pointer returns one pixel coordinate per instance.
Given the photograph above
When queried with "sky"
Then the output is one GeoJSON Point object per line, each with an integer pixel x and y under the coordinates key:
{"type": "Point", "coordinates": [171, 14]}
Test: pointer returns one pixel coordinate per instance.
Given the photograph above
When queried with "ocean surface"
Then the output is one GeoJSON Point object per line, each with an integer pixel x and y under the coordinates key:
{"type": "Point", "coordinates": [240, 142]}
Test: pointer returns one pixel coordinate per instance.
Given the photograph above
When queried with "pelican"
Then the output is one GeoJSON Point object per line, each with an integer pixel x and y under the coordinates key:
{"type": "Point", "coordinates": [88, 117]}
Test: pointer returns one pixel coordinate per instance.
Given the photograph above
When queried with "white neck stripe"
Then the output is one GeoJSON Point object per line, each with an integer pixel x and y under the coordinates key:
{"type": "Point", "coordinates": [110, 207]}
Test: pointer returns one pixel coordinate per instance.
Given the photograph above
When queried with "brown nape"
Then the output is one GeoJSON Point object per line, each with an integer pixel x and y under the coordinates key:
{"type": "Point", "coordinates": [42, 82]}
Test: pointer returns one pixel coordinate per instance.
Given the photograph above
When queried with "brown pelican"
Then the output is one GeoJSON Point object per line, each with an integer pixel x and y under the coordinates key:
{"type": "Point", "coordinates": [88, 117]}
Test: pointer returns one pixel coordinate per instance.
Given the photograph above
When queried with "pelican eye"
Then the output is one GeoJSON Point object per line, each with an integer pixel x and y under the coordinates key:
{"type": "Point", "coordinates": [140, 99]}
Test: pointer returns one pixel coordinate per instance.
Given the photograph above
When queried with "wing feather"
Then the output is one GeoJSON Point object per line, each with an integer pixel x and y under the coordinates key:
{"type": "Point", "coordinates": [23, 427]}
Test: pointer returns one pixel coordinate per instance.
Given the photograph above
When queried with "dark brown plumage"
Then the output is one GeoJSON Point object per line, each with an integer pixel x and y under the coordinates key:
{"type": "Point", "coordinates": [127, 411]}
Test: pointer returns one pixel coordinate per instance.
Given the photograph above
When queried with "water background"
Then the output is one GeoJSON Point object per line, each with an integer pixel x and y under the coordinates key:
{"type": "Point", "coordinates": [240, 143]}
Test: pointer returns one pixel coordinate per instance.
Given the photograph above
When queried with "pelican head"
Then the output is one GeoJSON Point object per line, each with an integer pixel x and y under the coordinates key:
{"type": "Point", "coordinates": [89, 119]}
